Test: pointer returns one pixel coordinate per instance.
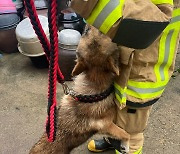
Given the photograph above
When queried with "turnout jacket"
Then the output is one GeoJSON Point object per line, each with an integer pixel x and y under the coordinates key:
{"type": "Point", "coordinates": [147, 34]}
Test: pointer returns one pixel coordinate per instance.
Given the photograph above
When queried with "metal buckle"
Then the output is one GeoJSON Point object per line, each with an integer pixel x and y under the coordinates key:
{"type": "Point", "coordinates": [65, 88]}
{"type": "Point", "coordinates": [68, 91]}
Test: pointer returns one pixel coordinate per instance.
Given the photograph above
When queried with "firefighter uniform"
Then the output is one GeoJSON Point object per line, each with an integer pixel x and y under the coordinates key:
{"type": "Point", "coordinates": [147, 44]}
{"type": "Point", "coordinates": [150, 71]}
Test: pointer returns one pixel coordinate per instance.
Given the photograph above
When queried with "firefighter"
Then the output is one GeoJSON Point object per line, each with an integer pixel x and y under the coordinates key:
{"type": "Point", "coordinates": [150, 72]}
{"type": "Point", "coordinates": [147, 56]}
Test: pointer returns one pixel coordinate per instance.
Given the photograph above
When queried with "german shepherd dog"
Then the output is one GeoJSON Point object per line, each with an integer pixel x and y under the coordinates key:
{"type": "Point", "coordinates": [97, 66]}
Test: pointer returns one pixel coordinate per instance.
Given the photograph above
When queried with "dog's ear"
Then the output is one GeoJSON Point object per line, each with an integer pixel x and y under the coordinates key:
{"type": "Point", "coordinates": [78, 68]}
{"type": "Point", "coordinates": [113, 66]}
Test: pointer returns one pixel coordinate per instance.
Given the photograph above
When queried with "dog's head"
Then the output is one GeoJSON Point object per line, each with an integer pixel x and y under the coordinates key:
{"type": "Point", "coordinates": [96, 51]}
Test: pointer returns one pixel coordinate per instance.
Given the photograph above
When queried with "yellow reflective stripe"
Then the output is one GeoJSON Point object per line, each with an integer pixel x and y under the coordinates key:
{"type": "Point", "coordinates": [105, 14]}
{"type": "Point", "coordinates": [171, 55]}
{"type": "Point", "coordinates": [168, 52]}
{"type": "Point", "coordinates": [175, 22]}
{"type": "Point", "coordinates": [146, 85]}
{"type": "Point", "coordinates": [162, 2]}
{"type": "Point", "coordinates": [145, 90]}
{"type": "Point", "coordinates": [121, 100]}
{"type": "Point", "coordinates": [120, 93]}
{"type": "Point", "coordinates": [161, 58]}
{"type": "Point", "coordinates": [112, 17]}
{"type": "Point", "coordinates": [107, 10]}
{"type": "Point", "coordinates": [167, 48]}
{"type": "Point", "coordinates": [176, 12]}
{"type": "Point", "coordinates": [144, 95]}
{"type": "Point", "coordinates": [139, 151]}
{"type": "Point", "coordinates": [97, 10]}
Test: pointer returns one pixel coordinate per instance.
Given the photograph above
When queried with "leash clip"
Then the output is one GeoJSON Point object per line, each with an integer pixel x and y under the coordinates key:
{"type": "Point", "coordinates": [65, 88]}
{"type": "Point", "coordinates": [68, 91]}
{"type": "Point", "coordinates": [72, 93]}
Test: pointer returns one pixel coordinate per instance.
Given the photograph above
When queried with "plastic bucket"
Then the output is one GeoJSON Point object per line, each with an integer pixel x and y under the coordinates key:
{"type": "Point", "coordinates": [8, 41]}
{"type": "Point", "coordinates": [28, 42]}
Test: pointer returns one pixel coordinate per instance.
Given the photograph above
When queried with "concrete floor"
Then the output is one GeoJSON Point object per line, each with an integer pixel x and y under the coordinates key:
{"type": "Point", "coordinates": [23, 98]}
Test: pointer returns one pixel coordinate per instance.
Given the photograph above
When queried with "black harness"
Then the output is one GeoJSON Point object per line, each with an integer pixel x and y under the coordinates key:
{"type": "Point", "coordinates": [103, 95]}
{"type": "Point", "coordinates": [88, 98]}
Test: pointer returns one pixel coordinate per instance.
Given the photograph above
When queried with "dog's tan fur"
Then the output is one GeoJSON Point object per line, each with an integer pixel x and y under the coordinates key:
{"type": "Point", "coordinates": [97, 65]}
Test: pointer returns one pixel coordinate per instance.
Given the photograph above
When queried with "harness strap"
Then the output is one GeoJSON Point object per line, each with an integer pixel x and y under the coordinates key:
{"type": "Point", "coordinates": [92, 98]}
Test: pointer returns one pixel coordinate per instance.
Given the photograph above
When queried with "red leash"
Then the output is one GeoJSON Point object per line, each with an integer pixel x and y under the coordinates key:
{"type": "Point", "coordinates": [51, 51]}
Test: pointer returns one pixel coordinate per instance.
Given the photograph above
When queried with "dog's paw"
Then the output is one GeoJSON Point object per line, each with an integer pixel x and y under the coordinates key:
{"type": "Point", "coordinates": [125, 147]}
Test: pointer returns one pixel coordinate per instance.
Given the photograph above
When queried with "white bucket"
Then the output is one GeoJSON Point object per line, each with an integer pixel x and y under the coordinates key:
{"type": "Point", "coordinates": [28, 42]}
{"type": "Point", "coordinates": [69, 39]}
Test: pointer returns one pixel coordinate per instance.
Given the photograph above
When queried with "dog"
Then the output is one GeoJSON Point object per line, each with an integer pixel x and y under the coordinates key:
{"type": "Point", "coordinates": [96, 67]}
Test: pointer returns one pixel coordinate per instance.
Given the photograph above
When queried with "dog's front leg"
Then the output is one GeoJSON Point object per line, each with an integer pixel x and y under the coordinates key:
{"type": "Point", "coordinates": [120, 134]}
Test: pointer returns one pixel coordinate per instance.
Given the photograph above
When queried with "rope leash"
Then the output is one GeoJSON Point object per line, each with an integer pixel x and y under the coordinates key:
{"type": "Point", "coordinates": [32, 13]}
{"type": "Point", "coordinates": [51, 52]}
{"type": "Point", "coordinates": [53, 65]}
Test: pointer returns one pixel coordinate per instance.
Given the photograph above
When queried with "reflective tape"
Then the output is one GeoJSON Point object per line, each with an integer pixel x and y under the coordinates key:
{"type": "Point", "coordinates": [143, 96]}
{"type": "Point", "coordinates": [120, 93]}
{"type": "Point", "coordinates": [139, 151]}
{"type": "Point", "coordinates": [167, 48]}
{"type": "Point", "coordinates": [175, 19]}
{"type": "Point", "coordinates": [111, 5]}
{"type": "Point", "coordinates": [105, 14]}
{"type": "Point", "coordinates": [96, 11]}
{"type": "Point", "coordinates": [176, 12]}
{"type": "Point", "coordinates": [146, 91]}
{"type": "Point", "coordinates": [162, 2]}
{"type": "Point", "coordinates": [166, 55]}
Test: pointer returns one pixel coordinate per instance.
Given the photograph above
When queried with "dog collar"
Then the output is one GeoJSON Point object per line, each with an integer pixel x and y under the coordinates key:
{"type": "Point", "coordinates": [89, 98]}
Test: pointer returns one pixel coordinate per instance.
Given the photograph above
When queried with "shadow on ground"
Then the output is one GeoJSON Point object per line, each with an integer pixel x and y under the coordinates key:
{"type": "Point", "coordinates": [23, 97]}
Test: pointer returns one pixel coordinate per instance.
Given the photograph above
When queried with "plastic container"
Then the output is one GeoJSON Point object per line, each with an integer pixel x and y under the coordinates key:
{"type": "Point", "coordinates": [19, 7]}
{"type": "Point", "coordinates": [62, 5]}
{"type": "Point", "coordinates": [7, 6]}
{"type": "Point", "coordinates": [8, 41]}
{"type": "Point", "coordinates": [68, 42]}
{"type": "Point", "coordinates": [28, 42]}
{"type": "Point", "coordinates": [41, 8]}
{"type": "Point", "coordinates": [70, 20]}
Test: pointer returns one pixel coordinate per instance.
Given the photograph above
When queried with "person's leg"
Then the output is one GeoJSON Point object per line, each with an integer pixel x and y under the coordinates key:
{"type": "Point", "coordinates": [134, 121]}
{"type": "Point", "coordinates": [136, 143]}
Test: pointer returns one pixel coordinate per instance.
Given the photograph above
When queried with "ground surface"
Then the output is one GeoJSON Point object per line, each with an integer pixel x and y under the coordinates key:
{"type": "Point", "coordinates": [23, 98]}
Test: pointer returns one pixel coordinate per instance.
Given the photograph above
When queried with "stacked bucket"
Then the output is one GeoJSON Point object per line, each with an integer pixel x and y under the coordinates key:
{"type": "Point", "coordinates": [17, 33]}
{"type": "Point", "coordinates": [8, 22]}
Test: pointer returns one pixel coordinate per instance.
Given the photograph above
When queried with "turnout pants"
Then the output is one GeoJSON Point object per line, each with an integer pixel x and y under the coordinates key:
{"type": "Point", "coordinates": [134, 121]}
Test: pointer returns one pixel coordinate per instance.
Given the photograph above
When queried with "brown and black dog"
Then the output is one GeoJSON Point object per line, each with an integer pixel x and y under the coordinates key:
{"type": "Point", "coordinates": [96, 67]}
